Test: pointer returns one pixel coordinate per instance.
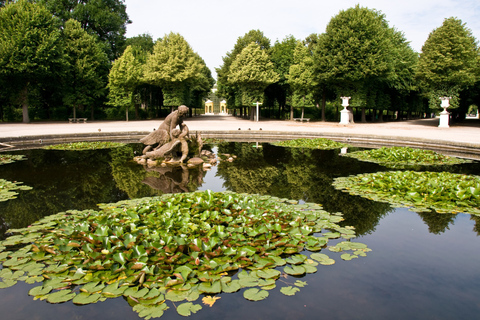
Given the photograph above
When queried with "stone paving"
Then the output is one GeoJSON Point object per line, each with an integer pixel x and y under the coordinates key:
{"type": "Point", "coordinates": [426, 130]}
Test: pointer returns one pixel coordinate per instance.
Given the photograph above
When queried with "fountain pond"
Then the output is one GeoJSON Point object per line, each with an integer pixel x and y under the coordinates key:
{"type": "Point", "coordinates": [422, 264]}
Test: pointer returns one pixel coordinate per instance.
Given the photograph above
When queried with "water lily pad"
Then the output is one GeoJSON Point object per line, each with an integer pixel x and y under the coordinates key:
{"type": "Point", "coordinates": [173, 247]}
{"type": "Point", "coordinates": [40, 291]}
{"type": "Point", "coordinates": [322, 258]}
{"type": "Point", "coordinates": [294, 270]}
{"type": "Point", "coordinates": [86, 298]}
{"type": "Point", "coordinates": [255, 294]}
{"type": "Point", "coordinates": [149, 312]}
{"type": "Point", "coordinates": [187, 308]}
{"type": "Point", "coordinates": [289, 291]}
{"type": "Point", "coordinates": [60, 296]}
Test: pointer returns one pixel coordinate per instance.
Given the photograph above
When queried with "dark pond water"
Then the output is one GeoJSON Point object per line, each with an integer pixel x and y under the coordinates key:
{"type": "Point", "coordinates": [423, 266]}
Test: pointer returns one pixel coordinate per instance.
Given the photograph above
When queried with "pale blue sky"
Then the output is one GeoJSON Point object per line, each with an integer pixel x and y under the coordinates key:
{"type": "Point", "coordinates": [212, 27]}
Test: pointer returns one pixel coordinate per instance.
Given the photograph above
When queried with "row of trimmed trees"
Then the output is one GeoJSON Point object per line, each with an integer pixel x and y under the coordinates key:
{"type": "Point", "coordinates": [359, 56]}
{"type": "Point", "coordinates": [60, 59]}
{"type": "Point", "coordinates": [170, 68]}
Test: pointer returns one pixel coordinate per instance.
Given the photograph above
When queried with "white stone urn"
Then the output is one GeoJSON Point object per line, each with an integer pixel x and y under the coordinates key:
{"type": "Point", "coordinates": [444, 115]}
{"type": "Point", "coordinates": [345, 114]}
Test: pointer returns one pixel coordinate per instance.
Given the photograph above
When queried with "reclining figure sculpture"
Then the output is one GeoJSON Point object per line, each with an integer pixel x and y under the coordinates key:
{"type": "Point", "coordinates": [171, 138]}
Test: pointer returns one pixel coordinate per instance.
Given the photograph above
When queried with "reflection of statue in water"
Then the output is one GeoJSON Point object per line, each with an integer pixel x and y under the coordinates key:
{"type": "Point", "coordinates": [172, 138]}
{"type": "Point", "coordinates": [170, 180]}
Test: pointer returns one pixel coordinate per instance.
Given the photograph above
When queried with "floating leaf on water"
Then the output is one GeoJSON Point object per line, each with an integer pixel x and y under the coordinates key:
{"type": "Point", "coordinates": [255, 294]}
{"type": "Point", "coordinates": [294, 270]}
{"type": "Point", "coordinates": [7, 283]}
{"type": "Point", "coordinates": [60, 296]}
{"type": "Point", "coordinates": [187, 308]}
{"type": "Point", "coordinates": [322, 258]}
{"type": "Point", "coordinates": [289, 291]}
{"type": "Point", "coordinates": [209, 300]}
{"type": "Point", "coordinates": [231, 287]}
{"type": "Point", "coordinates": [86, 298]}
{"type": "Point", "coordinates": [149, 312]}
{"type": "Point", "coordinates": [40, 291]}
{"type": "Point", "coordinates": [172, 247]}
{"type": "Point", "coordinates": [268, 273]}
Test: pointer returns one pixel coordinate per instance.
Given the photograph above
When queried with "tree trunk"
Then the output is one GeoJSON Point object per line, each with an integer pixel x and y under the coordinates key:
{"type": "Point", "coordinates": [303, 109]}
{"type": "Point", "coordinates": [291, 113]}
{"type": "Point", "coordinates": [364, 118]}
{"type": "Point", "coordinates": [324, 102]}
{"type": "Point", "coordinates": [24, 102]}
{"type": "Point", "coordinates": [380, 116]}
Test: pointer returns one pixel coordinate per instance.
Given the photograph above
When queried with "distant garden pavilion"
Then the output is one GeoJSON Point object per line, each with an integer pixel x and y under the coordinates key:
{"type": "Point", "coordinates": [213, 105]}
{"type": "Point", "coordinates": [212, 108]}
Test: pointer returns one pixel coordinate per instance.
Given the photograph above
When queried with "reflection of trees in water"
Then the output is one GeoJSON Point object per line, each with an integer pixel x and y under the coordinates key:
{"type": "Point", "coordinates": [61, 180]}
{"type": "Point", "coordinates": [476, 228]}
{"type": "Point", "coordinates": [301, 174]}
{"type": "Point", "coordinates": [437, 222]}
{"type": "Point", "coordinates": [142, 181]}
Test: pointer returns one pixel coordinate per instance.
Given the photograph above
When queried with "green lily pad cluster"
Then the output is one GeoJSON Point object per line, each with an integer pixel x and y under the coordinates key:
{"type": "Point", "coordinates": [443, 192]}
{"type": "Point", "coordinates": [9, 158]}
{"type": "Point", "coordinates": [316, 143]}
{"type": "Point", "coordinates": [7, 187]}
{"type": "Point", "coordinates": [174, 248]}
{"type": "Point", "coordinates": [404, 157]}
{"type": "Point", "coordinates": [87, 145]}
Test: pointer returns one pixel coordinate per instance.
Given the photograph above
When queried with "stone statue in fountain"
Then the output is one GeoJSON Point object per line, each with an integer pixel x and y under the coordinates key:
{"type": "Point", "coordinates": [171, 142]}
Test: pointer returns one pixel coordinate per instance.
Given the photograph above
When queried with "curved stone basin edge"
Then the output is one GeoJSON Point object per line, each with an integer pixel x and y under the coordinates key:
{"type": "Point", "coordinates": [455, 148]}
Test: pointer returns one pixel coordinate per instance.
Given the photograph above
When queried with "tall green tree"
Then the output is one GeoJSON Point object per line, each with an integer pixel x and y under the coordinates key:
{"type": "Point", "coordinates": [252, 71]}
{"type": "Point", "coordinates": [30, 48]}
{"type": "Point", "coordinates": [86, 62]}
{"type": "Point", "coordinates": [107, 19]}
{"type": "Point", "coordinates": [449, 62]}
{"type": "Point", "coordinates": [123, 79]}
{"type": "Point", "coordinates": [355, 54]}
{"type": "Point", "coordinates": [281, 55]}
{"type": "Point", "coordinates": [174, 67]}
{"type": "Point", "coordinates": [225, 88]}
{"type": "Point", "coordinates": [302, 77]}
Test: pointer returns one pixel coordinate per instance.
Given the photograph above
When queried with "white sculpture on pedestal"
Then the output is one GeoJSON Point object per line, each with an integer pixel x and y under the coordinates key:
{"type": "Point", "coordinates": [444, 115]}
{"type": "Point", "coordinates": [345, 114]}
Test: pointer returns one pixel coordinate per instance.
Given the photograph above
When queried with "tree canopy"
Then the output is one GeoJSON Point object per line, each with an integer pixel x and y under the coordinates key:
{"type": "Point", "coordinates": [174, 67]}
{"type": "Point", "coordinates": [252, 71]}
{"type": "Point", "coordinates": [107, 19]}
{"type": "Point", "coordinates": [449, 62]}
{"type": "Point", "coordinates": [30, 48]}
{"type": "Point", "coordinates": [85, 60]}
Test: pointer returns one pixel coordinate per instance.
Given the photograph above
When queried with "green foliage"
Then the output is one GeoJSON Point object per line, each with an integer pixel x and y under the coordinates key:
{"type": "Point", "coordinates": [252, 71]}
{"type": "Point", "coordinates": [123, 79]}
{"type": "Point", "coordinates": [106, 19]}
{"type": "Point", "coordinates": [176, 68]}
{"type": "Point", "coordinates": [85, 61]}
{"type": "Point", "coordinates": [302, 77]}
{"type": "Point", "coordinates": [361, 56]}
{"type": "Point", "coordinates": [173, 247]}
{"type": "Point", "coordinates": [9, 158]}
{"type": "Point", "coordinates": [448, 62]}
{"type": "Point", "coordinates": [316, 143]}
{"type": "Point", "coordinates": [6, 188]}
{"type": "Point", "coordinates": [91, 145]}
{"type": "Point", "coordinates": [225, 88]}
{"type": "Point", "coordinates": [443, 192]}
{"type": "Point", "coordinates": [404, 157]}
{"type": "Point", "coordinates": [30, 49]}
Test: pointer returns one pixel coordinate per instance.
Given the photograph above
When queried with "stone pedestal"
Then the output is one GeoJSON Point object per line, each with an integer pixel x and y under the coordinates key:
{"type": "Point", "coordinates": [345, 114]}
{"type": "Point", "coordinates": [444, 115]}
